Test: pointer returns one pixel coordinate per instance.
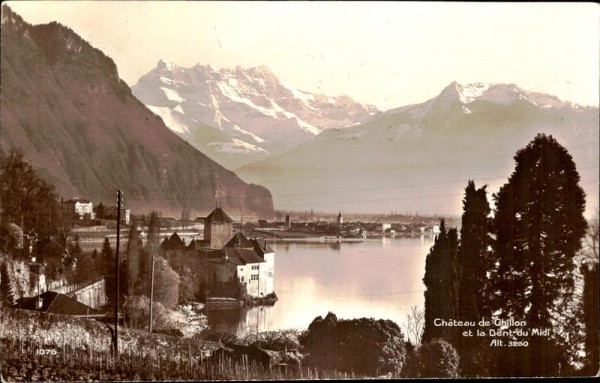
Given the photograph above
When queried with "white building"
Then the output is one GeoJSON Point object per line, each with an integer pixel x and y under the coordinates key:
{"type": "Point", "coordinates": [251, 261]}
{"type": "Point", "coordinates": [79, 207]}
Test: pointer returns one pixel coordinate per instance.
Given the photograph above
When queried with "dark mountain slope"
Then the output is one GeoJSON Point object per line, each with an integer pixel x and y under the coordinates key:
{"type": "Point", "coordinates": [63, 103]}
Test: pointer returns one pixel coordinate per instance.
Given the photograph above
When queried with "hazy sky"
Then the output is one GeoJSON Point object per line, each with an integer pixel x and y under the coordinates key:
{"type": "Point", "coordinates": [385, 53]}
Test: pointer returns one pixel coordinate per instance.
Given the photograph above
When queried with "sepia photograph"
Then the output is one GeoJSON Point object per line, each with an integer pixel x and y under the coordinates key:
{"type": "Point", "coordinates": [255, 190]}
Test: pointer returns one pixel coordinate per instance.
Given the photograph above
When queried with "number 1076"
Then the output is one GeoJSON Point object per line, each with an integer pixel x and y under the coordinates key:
{"type": "Point", "coordinates": [46, 351]}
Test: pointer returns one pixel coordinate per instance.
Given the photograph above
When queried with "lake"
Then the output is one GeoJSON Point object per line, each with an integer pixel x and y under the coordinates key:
{"type": "Point", "coordinates": [381, 279]}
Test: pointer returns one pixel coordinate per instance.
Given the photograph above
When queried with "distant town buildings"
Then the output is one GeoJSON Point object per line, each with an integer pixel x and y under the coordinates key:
{"type": "Point", "coordinates": [110, 212]}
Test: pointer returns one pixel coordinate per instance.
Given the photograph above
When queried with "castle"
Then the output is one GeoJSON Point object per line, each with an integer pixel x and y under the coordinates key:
{"type": "Point", "coordinates": [226, 258]}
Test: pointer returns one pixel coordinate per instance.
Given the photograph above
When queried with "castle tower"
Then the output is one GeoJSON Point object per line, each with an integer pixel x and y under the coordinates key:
{"type": "Point", "coordinates": [218, 229]}
{"type": "Point", "coordinates": [340, 220]}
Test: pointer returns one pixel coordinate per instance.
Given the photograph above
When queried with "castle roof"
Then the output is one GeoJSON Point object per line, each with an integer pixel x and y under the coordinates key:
{"type": "Point", "coordinates": [241, 256]}
{"type": "Point", "coordinates": [218, 215]}
{"type": "Point", "coordinates": [239, 241]}
{"type": "Point", "coordinates": [173, 243]}
{"type": "Point", "coordinates": [261, 246]}
{"type": "Point", "coordinates": [236, 256]}
{"type": "Point", "coordinates": [197, 244]}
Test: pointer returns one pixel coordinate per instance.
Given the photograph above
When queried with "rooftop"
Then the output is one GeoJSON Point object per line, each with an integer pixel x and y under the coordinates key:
{"type": "Point", "coordinates": [218, 215]}
{"type": "Point", "coordinates": [56, 303]}
{"type": "Point", "coordinates": [74, 201]}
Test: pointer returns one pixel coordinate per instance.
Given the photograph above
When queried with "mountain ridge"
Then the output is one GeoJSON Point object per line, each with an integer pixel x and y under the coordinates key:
{"type": "Point", "coordinates": [465, 132]}
{"type": "Point", "coordinates": [64, 104]}
{"type": "Point", "coordinates": [261, 115]}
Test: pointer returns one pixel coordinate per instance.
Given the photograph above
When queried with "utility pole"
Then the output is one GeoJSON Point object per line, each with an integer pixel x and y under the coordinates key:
{"type": "Point", "coordinates": [117, 271]}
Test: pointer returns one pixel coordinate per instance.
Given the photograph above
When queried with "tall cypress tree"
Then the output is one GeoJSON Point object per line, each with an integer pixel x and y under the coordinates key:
{"type": "Point", "coordinates": [538, 224]}
{"type": "Point", "coordinates": [106, 261]}
{"type": "Point", "coordinates": [151, 248]}
{"type": "Point", "coordinates": [473, 264]}
{"type": "Point", "coordinates": [133, 258]}
{"type": "Point", "coordinates": [440, 283]}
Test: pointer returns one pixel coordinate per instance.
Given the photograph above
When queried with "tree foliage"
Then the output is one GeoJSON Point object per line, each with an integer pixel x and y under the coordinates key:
{"type": "Point", "coordinates": [134, 247]}
{"type": "Point", "coordinates": [441, 284]}
{"type": "Point", "coordinates": [589, 270]}
{"type": "Point", "coordinates": [86, 268]}
{"type": "Point", "coordinates": [538, 225]}
{"type": "Point", "coordinates": [474, 260]}
{"type": "Point", "coordinates": [438, 359]}
{"type": "Point", "coordinates": [105, 262]}
{"type": "Point", "coordinates": [100, 211]}
{"type": "Point", "coordinates": [166, 283]}
{"type": "Point", "coordinates": [363, 346]}
{"type": "Point", "coordinates": [9, 292]}
{"type": "Point", "coordinates": [149, 253]}
{"type": "Point", "coordinates": [26, 198]}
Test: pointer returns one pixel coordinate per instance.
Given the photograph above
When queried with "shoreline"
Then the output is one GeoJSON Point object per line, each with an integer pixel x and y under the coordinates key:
{"type": "Point", "coordinates": [336, 240]}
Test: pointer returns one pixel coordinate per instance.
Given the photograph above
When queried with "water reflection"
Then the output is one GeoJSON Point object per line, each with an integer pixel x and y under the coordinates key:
{"type": "Point", "coordinates": [378, 279]}
{"type": "Point", "coordinates": [238, 320]}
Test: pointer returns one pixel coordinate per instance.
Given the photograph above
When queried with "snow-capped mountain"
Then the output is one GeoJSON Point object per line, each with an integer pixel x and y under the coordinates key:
{"type": "Point", "coordinates": [499, 94]}
{"type": "Point", "coordinates": [420, 157]}
{"type": "Point", "coordinates": [237, 116]}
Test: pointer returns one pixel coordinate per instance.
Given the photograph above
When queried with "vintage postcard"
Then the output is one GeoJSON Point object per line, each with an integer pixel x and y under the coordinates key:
{"type": "Point", "coordinates": [298, 190]}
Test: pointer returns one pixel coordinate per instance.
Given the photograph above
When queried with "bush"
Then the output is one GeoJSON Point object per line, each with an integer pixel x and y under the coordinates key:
{"type": "Point", "coordinates": [362, 346]}
{"type": "Point", "coordinates": [283, 340]}
{"type": "Point", "coordinates": [438, 359]}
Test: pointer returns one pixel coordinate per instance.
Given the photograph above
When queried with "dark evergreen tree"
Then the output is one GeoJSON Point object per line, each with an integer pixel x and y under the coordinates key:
{"type": "Point", "coordinates": [133, 258]}
{"type": "Point", "coordinates": [473, 264]}
{"type": "Point", "coordinates": [100, 211]}
{"type": "Point", "coordinates": [149, 251]}
{"type": "Point", "coordinates": [70, 259]}
{"type": "Point", "coordinates": [539, 225]}
{"type": "Point", "coordinates": [105, 263]}
{"type": "Point", "coordinates": [75, 247]}
{"type": "Point", "coordinates": [87, 267]}
{"type": "Point", "coordinates": [440, 282]}
{"type": "Point", "coordinates": [26, 198]}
